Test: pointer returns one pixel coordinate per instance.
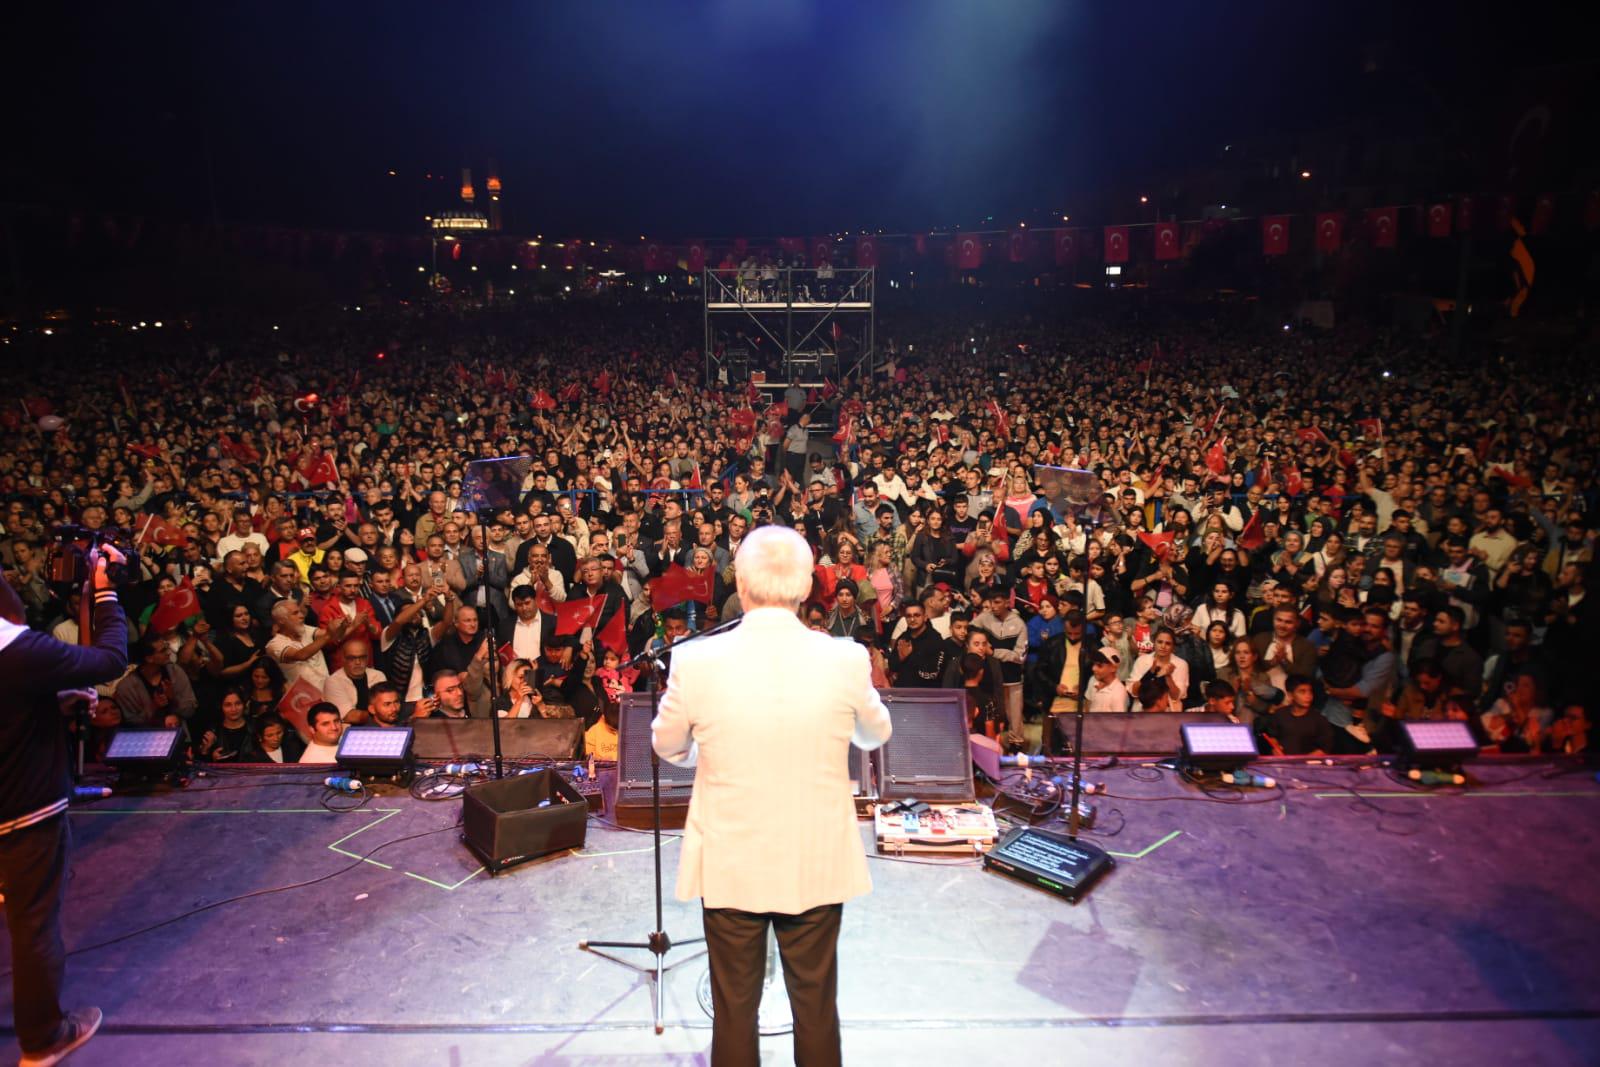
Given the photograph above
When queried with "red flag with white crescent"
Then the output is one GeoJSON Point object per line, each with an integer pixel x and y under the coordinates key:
{"type": "Point", "coordinates": [1275, 235]}
{"type": "Point", "coordinates": [296, 703]}
{"type": "Point", "coordinates": [1116, 244]}
{"type": "Point", "coordinates": [1438, 220]}
{"type": "Point", "coordinates": [1330, 231]}
{"type": "Point", "coordinates": [969, 251]}
{"type": "Point", "coordinates": [1066, 247]}
{"type": "Point", "coordinates": [1167, 246]}
{"type": "Point", "coordinates": [867, 251]}
{"type": "Point", "coordinates": [1385, 224]}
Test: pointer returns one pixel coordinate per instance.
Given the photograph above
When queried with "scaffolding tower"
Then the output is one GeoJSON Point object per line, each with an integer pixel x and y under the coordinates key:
{"type": "Point", "coordinates": [783, 326]}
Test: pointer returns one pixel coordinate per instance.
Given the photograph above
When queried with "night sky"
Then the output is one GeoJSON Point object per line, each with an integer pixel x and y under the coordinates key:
{"type": "Point", "coordinates": [708, 119]}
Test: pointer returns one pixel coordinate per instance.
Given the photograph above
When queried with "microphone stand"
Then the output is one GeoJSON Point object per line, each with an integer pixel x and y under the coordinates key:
{"type": "Point", "coordinates": [658, 943]}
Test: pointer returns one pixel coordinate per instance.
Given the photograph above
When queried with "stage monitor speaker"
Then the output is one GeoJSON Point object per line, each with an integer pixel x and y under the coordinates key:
{"type": "Point", "coordinates": [629, 803]}
{"type": "Point", "coordinates": [441, 740]}
{"type": "Point", "coordinates": [1129, 733]}
{"type": "Point", "coordinates": [504, 823]}
{"type": "Point", "coordinates": [926, 756]}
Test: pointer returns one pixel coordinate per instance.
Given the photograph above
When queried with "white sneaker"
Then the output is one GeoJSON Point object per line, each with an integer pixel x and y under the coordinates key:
{"type": "Point", "coordinates": [81, 1026]}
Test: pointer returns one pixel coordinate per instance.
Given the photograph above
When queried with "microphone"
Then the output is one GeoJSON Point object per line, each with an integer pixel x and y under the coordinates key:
{"type": "Point", "coordinates": [1260, 781]}
{"type": "Point", "coordinates": [90, 792]}
{"type": "Point", "coordinates": [1063, 782]}
{"type": "Point", "coordinates": [462, 768]}
{"type": "Point", "coordinates": [344, 785]}
{"type": "Point", "coordinates": [1436, 777]}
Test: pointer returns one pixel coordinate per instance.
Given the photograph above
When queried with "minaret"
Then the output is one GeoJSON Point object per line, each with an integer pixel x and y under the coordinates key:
{"type": "Point", "coordinates": [493, 185]}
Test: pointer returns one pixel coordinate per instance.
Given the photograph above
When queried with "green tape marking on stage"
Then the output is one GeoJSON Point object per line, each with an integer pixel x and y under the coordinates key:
{"type": "Point", "coordinates": [1147, 849]}
{"type": "Point", "coordinates": [386, 813]}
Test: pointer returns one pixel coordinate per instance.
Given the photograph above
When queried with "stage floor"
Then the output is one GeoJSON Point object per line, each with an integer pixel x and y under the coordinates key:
{"type": "Point", "coordinates": [1311, 926]}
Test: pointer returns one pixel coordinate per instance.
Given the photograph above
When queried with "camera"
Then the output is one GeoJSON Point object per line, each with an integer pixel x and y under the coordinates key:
{"type": "Point", "coordinates": [67, 558]}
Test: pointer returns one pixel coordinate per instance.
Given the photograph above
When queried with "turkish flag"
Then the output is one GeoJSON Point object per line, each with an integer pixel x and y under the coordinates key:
{"type": "Point", "coordinates": [741, 245]}
{"type": "Point", "coordinates": [159, 531]}
{"type": "Point", "coordinates": [1464, 214]}
{"type": "Point", "coordinates": [1292, 482]}
{"type": "Point", "coordinates": [694, 481]}
{"type": "Point", "coordinates": [1167, 244]}
{"type": "Point", "coordinates": [296, 703]}
{"type": "Point", "coordinates": [679, 584]}
{"type": "Point", "coordinates": [602, 384]}
{"type": "Point", "coordinates": [574, 616]}
{"type": "Point", "coordinates": [543, 401]}
{"type": "Point", "coordinates": [528, 254]}
{"type": "Point", "coordinates": [1002, 424]}
{"type": "Point", "coordinates": [1274, 235]}
{"type": "Point", "coordinates": [320, 470]}
{"type": "Point", "coordinates": [1310, 435]}
{"type": "Point", "coordinates": [866, 251]}
{"type": "Point", "coordinates": [1544, 210]}
{"type": "Point", "coordinates": [1330, 231]}
{"type": "Point", "coordinates": [176, 605]}
{"type": "Point", "coordinates": [614, 634]}
{"type": "Point", "coordinates": [1116, 244]}
{"type": "Point", "coordinates": [792, 246]}
{"type": "Point", "coordinates": [1385, 222]}
{"type": "Point", "coordinates": [1438, 220]}
{"type": "Point", "coordinates": [1066, 247]}
{"type": "Point", "coordinates": [657, 256]}
{"type": "Point", "coordinates": [695, 254]}
{"type": "Point", "coordinates": [744, 419]}
{"type": "Point", "coordinates": [1251, 537]}
{"type": "Point", "coordinates": [507, 654]}
{"type": "Point", "coordinates": [1217, 458]}
{"type": "Point", "coordinates": [969, 251]}
{"type": "Point", "coordinates": [821, 251]}
{"type": "Point", "coordinates": [572, 254]}
{"type": "Point", "coordinates": [1160, 544]}
{"type": "Point", "coordinates": [569, 392]}
{"type": "Point", "coordinates": [846, 433]}
{"type": "Point", "coordinates": [1018, 247]}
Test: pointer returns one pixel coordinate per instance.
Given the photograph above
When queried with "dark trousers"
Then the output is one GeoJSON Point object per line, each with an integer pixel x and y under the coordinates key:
{"type": "Point", "coordinates": [808, 945]}
{"type": "Point", "coordinates": [33, 876]}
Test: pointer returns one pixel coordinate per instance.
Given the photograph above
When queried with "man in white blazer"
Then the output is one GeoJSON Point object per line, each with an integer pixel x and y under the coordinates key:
{"type": "Point", "coordinates": [768, 712]}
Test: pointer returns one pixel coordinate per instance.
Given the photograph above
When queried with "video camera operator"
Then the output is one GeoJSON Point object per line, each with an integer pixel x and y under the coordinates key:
{"type": "Point", "coordinates": [42, 679]}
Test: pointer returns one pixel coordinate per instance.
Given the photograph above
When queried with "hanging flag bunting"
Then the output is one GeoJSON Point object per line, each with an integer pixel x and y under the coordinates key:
{"type": "Point", "coordinates": [1438, 220]}
{"type": "Point", "coordinates": [1116, 244]}
{"type": "Point", "coordinates": [1167, 245]}
{"type": "Point", "coordinates": [1066, 247]}
{"type": "Point", "coordinates": [1330, 231]}
{"type": "Point", "coordinates": [866, 251]}
{"type": "Point", "coordinates": [1384, 222]}
{"type": "Point", "coordinates": [821, 251]}
{"type": "Point", "coordinates": [968, 251]}
{"type": "Point", "coordinates": [1017, 246]}
{"type": "Point", "coordinates": [1275, 235]}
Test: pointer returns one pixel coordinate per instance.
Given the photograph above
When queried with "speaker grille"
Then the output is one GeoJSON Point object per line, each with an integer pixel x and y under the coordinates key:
{"type": "Point", "coordinates": [927, 755]}
{"type": "Point", "coordinates": [633, 752]}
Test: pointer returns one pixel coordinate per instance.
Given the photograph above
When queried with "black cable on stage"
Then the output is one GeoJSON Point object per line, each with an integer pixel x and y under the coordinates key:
{"type": "Point", "coordinates": [250, 895]}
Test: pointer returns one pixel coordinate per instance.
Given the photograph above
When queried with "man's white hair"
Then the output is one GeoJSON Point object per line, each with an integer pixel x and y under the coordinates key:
{"type": "Point", "coordinates": [773, 568]}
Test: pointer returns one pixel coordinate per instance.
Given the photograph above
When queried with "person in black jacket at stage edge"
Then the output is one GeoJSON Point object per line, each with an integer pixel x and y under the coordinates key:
{"type": "Point", "coordinates": [37, 674]}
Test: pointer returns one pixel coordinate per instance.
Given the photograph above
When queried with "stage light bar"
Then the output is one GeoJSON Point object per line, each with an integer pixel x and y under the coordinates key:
{"type": "Point", "coordinates": [146, 747]}
{"type": "Point", "coordinates": [1220, 746]}
{"type": "Point", "coordinates": [375, 749]}
{"type": "Point", "coordinates": [1436, 744]}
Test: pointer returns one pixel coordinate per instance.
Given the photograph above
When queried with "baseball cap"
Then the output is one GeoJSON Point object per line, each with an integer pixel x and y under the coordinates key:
{"type": "Point", "coordinates": [308, 531]}
{"type": "Point", "coordinates": [1107, 655]}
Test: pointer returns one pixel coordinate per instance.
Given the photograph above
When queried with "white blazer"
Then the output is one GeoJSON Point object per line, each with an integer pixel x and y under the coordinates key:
{"type": "Point", "coordinates": [767, 713]}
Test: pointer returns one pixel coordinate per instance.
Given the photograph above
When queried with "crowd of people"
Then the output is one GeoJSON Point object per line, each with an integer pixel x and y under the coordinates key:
{"type": "Point", "coordinates": [1317, 533]}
